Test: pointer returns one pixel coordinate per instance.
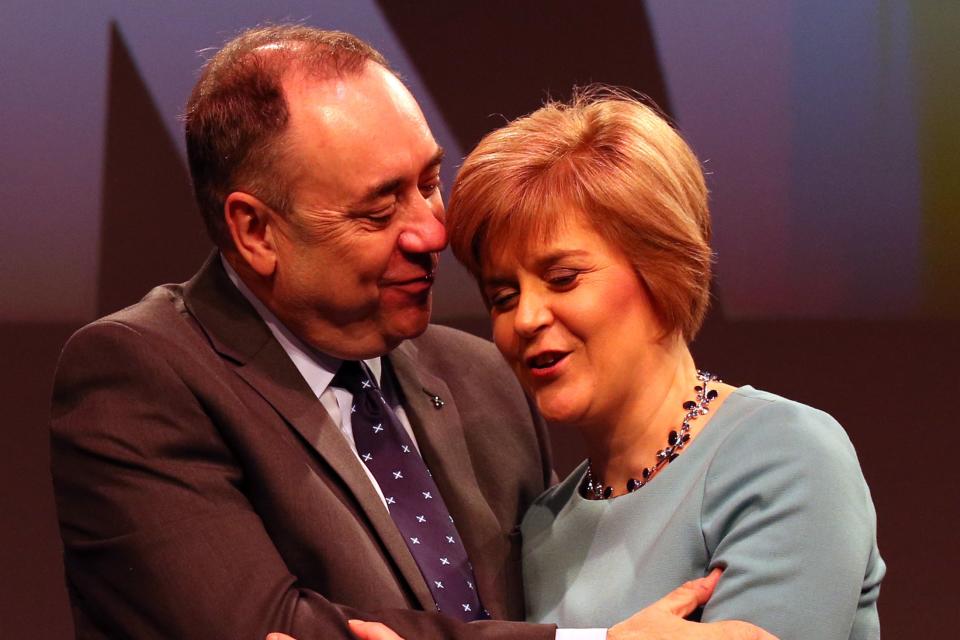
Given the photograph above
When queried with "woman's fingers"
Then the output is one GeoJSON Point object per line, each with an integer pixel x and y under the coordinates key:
{"type": "Point", "coordinates": [372, 630]}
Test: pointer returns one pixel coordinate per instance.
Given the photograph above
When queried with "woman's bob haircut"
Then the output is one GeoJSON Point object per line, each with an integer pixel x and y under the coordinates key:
{"type": "Point", "coordinates": [604, 158]}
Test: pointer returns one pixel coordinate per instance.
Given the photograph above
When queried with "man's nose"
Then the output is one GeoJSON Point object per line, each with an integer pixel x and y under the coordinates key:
{"type": "Point", "coordinates": [424, 231]}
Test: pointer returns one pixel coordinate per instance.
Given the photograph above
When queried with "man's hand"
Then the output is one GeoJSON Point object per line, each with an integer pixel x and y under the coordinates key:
{"type": "Point", "coordinates": [664, 619]}
{"type": "Point", "coordinates": [363, 630]}
{"type": "Point", "coordinates": [372, 630]}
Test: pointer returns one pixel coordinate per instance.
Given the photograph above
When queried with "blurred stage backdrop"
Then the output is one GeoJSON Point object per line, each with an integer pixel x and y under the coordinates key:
{"type": "Point", "coordinates": [830, 132]}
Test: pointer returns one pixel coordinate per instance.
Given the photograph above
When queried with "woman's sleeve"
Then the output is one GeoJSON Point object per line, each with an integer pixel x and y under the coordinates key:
{"type": "Point", "coordinates": [786, 510]}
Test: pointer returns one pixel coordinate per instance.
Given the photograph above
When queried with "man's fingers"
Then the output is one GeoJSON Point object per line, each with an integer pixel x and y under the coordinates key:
{"type": "Point", "coordinates": [737, 630]}
{"type": "Point", "coordinates": [278, 636]}
{"type": "Point", "coordinates": [372, 630]}
{"type": "Point", "coordinates": [684, 600]}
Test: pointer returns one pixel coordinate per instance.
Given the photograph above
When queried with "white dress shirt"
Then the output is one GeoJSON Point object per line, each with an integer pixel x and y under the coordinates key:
{"type": "Point", "coordinates": [318, 370]}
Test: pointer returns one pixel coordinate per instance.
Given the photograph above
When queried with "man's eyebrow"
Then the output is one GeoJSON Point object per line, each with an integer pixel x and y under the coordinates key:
{"type": "Point", "coordinates": [381, 190]}
{"type": "Point", "coordinates": [436, 159]}
{"type": "Point", "coordinates": [389, 186]}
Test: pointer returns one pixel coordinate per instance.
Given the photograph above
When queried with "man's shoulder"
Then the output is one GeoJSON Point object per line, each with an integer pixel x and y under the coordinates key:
{"type": "Point", "coordinates": [463, 359]}
{"type": "Point", "coordinates": [444, 341]}
{"type": "Point", "coordinates": [160, 313]}
{"type": "Point", "coordinates": [155, 309]}
{"type": "Point", "coordinates": [446, 349]}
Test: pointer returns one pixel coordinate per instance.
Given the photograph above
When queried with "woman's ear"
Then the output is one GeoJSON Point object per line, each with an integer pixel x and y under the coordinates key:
{"type": "Point", "coordinates": [251, 225]}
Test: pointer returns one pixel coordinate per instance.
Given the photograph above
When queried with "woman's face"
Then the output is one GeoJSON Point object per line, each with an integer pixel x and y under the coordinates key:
{"type": "Point", "coordinates": [575, 323]}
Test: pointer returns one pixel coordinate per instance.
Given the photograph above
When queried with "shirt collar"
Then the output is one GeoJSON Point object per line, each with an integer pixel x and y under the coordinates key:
{"type": "Point", "coordinates": [316, 368]}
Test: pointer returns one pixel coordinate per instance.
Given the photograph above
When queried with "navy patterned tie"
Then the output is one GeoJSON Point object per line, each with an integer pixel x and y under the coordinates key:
{"type": "Point", "coordinates": [412, 497]}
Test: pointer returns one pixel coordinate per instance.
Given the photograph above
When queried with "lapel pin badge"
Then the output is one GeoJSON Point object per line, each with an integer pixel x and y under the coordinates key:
{"type": "Point", "coordinates": [434, 398]}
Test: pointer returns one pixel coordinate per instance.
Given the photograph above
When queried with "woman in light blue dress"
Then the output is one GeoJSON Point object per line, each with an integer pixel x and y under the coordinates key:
{"type": "Point", "coordinates": [586, 225]}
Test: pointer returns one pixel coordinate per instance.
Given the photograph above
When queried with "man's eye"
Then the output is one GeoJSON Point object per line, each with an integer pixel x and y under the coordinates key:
{"type": "Point", "coordinates": [430, 188]}
{"type": "Point", "coordinates": [379, 216]}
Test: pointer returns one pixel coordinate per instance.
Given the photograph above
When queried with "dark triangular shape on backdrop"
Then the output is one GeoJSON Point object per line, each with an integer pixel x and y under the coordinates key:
{"type": "Point", "coordinates": [151, 232]}
{"type": "Point", "coordinates": [501, 61]}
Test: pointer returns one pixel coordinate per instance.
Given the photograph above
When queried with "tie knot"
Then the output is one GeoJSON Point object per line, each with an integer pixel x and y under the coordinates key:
{"type": "Point", "coordinates": [354, 377]}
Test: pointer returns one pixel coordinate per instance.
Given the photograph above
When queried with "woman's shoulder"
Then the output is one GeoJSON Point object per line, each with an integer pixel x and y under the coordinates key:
{"type": "Point", "coordinates": [761, 417]}
{"type": "Point", "coordinates": [557, 496]}
{"type": "Point", "coordinates": [551, 502]}
{"type": "Point", "coordinates": [768, 438]}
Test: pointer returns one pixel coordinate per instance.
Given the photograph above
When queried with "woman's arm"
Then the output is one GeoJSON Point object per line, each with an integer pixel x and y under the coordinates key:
{"type": "Point", "coordinates": [786, 510]}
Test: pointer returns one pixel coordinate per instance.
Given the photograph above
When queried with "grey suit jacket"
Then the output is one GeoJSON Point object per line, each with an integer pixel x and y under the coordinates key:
{"type": "Point", "coordinates": [203, 491]}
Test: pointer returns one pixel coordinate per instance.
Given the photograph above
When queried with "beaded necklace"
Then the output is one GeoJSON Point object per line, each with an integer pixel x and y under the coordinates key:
{"type": "Point", "coordinates": [594, 489]}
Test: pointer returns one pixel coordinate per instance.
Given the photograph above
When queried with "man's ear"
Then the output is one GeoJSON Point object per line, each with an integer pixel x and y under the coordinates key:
{"type": "Point", "coordinates": [251, 224]}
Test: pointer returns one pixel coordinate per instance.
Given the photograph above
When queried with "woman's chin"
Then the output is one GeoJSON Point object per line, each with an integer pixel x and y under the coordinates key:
{"type": "Point", "coordinates": [560, 410]}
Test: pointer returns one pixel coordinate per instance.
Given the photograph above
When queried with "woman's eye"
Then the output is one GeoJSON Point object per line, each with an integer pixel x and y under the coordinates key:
{"type": "Point", "coordinates": [562, 277]}
{"type": "Point", "coordinates": [501, 300]}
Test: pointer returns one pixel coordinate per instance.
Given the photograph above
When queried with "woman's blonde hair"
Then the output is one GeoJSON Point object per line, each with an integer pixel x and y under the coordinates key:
{"type": "Point", "coordinates": [606, 157]}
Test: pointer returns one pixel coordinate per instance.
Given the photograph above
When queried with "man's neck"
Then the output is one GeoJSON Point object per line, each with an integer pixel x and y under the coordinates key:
{"type": "Point", "coordinates": [296, 348]}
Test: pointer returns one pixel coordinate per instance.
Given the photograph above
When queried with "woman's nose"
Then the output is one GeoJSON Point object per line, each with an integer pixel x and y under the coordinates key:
{"type": "Point", "coordinates": [532, 315]}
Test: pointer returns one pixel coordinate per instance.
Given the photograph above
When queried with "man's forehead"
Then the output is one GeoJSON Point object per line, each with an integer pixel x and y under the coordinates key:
{"type": "Point", "coordinates": [308, 91]}
{"type": "Point", "coordinates": [361, 128]}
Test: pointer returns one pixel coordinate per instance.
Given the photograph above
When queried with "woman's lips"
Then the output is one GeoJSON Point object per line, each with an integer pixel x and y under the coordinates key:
{"type": "Point", "coordinates": [546, 364]}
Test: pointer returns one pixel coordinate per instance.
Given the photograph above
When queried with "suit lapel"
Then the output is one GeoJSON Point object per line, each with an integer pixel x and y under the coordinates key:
{"type": "Point", "coordinates": [440, 436]}
{"type": "Point", "coordinates": [237, 332]}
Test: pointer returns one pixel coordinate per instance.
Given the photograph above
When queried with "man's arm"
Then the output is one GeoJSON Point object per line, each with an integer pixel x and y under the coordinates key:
{"type": "Point", "coordinates": [663, 620]}
{"type": "Point", "coordinates": [160, 536]}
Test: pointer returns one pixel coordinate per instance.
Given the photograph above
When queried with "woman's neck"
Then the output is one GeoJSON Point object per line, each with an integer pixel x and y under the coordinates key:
{"type": "Point", "coordinates": [624, 443]}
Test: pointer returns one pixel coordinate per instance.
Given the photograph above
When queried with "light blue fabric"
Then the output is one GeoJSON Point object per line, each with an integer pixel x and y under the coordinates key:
{"type": "Point", "coordinates": [770, 489]}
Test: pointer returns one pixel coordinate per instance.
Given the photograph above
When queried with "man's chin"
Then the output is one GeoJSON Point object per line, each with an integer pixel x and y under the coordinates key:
{"type": "Point", "coordinates": [407, 325]}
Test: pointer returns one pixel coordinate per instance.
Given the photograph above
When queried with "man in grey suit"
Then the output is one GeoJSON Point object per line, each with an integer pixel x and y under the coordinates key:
{"type": "Point", "coordinates": [208, 479]}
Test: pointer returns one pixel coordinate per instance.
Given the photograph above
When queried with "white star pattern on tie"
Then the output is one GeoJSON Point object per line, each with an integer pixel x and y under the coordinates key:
{"type": "Point", "coordinates": [376, 428]}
